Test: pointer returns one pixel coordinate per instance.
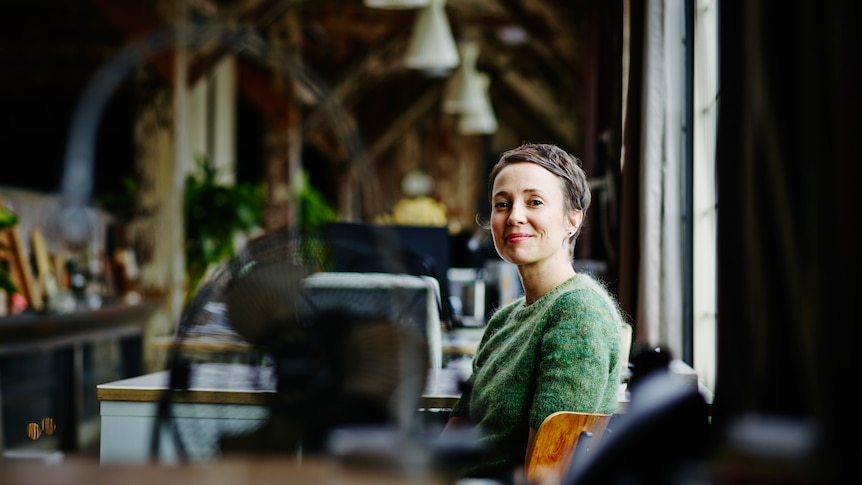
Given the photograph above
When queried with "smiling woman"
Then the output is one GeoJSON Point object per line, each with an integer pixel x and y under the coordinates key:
{"type": "Point", "coordinates": [558, 347]}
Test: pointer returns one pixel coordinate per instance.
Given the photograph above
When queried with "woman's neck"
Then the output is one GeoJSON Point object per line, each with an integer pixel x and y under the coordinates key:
{"type": "Point", "coordinates": [537, 281]}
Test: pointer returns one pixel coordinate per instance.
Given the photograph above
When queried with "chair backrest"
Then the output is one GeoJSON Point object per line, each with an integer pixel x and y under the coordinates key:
{"type": "Point", "coordinates": [560, 434]}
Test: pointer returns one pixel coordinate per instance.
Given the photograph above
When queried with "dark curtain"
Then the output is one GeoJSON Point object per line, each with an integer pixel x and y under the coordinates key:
{"type": "Point", "coordinates": [630, 181]}
{"type": "Point", "coordinates": [788, 225]}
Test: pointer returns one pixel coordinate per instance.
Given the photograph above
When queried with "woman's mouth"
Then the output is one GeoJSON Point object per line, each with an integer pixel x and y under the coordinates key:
{"type": "Point", "coordinates": [516, 238]}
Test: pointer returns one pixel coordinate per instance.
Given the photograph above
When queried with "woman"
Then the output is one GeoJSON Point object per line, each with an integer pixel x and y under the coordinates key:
{"type": "Point", "coordinates": [558, 346]}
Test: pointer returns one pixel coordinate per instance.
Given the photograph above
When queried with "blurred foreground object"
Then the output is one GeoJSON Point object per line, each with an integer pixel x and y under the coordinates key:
{"type": "Point", "coordinates": [663, 437]}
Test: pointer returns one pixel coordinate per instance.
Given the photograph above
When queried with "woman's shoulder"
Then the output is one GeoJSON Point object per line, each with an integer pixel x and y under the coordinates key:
{"type": "Point", "coordinates": [583, 285]}
{"type": "Point", "coordinates": [587, 281]}
{"type": "Point", "coordinates": [584, 293]}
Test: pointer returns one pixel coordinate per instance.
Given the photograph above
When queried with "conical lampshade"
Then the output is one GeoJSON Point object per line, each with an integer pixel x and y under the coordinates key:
{"type": "Point", "coordinates": [396, 4]}
{"type": "Point", "coordinates": [431, 47]}
{"type": "Point", "coordinates": [477, 117]}
{"type": "Point", "coordinates": [454, 90]}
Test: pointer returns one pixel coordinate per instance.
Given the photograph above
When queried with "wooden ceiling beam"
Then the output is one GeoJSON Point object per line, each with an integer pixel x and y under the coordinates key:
{"type": "Point", "coordinates": [373, 67]}
{"type": "Point", "coordinates": [545, 21]}
{"type": "Point", "coordinates": [257, 16]}
{"type": "Point", "coordinates": [400, 125]}
{"type": "Point", "coordinates": [134, 20]}
{"type": "Point", "coordinates": [539, 97]}
{"type": "Point", "coordinates": [548, 25]}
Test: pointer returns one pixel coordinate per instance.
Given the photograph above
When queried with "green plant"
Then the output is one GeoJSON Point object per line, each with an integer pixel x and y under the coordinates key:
{"type": "Point", "coordinates": [214, 214]}
{"type": "Point", "coordinates": [7, 219]}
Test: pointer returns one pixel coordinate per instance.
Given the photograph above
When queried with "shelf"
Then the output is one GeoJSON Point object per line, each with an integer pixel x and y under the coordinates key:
{"type": "Point", "coordinates": [35, 331]}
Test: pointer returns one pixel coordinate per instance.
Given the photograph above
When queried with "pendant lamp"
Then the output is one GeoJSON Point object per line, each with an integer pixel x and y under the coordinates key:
{"type": "Point", "coordinates": [454, 90]}
{"type": "Point", "coordinates": [477, 117]}
{"type": "Point", "coordinates": [431, 47]}
{"type": "Point", "coordinates": [396, 4]}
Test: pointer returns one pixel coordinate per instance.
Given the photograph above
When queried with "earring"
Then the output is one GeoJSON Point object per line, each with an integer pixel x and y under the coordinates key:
{"type": "Point", "coordinates": [571, 233]}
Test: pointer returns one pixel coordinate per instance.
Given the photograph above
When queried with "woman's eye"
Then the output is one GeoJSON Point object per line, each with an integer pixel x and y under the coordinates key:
{"type": "Point", "coordinates": [501, 205]}
{"type": "Point", "coordinates": [535, 202]}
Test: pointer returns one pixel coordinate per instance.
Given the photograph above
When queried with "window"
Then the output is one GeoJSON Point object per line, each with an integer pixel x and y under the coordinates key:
{"type": "Point", "coordinates": [705, 206]}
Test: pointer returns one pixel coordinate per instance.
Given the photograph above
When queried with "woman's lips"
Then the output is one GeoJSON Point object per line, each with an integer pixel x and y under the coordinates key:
{"type": "Point", "coordinates": [516, 238]}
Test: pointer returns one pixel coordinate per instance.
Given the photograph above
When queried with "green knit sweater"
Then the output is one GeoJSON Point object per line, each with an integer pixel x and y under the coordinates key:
{"type": "Point", "coordinates": [562, 353]}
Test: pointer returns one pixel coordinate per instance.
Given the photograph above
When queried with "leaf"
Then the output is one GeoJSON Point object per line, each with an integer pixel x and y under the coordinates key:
{"type": "Point", "coordinates": [8, 218]}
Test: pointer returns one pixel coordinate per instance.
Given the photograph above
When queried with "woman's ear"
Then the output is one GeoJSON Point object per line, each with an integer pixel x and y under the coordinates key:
{"type": "Point", "coordinates": [575, 219]}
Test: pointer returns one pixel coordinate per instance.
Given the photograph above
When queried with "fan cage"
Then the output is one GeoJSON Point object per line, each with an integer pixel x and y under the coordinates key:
{"type": "Point", "coordinates": [363, 342]}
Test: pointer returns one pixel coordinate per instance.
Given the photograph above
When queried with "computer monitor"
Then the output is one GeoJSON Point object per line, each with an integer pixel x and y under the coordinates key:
{"type": "Point", "coordinates": [416, 250]}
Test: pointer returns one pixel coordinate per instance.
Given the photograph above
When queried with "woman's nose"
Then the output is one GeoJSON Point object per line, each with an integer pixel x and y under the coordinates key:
{"type": "Point", "coordinates": [516, 215]}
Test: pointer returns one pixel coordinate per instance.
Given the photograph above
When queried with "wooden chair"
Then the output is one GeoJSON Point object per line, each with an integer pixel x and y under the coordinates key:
{"type": "Point", "coordinates": [559, 437]}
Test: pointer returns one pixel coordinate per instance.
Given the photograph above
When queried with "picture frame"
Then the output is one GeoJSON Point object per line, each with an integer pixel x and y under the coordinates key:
{"type": "Point", "coordinates": [16, 256]}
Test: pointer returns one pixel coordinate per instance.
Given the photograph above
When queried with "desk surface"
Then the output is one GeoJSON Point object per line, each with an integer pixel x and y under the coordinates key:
{"type": "Point", "coordinates": [217, 383]}
{"type": "Point", "coordinates": [237, 384]}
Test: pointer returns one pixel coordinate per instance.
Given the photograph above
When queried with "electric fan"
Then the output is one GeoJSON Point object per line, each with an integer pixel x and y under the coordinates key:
{"type": "Point", "coordinates": [333, 351]}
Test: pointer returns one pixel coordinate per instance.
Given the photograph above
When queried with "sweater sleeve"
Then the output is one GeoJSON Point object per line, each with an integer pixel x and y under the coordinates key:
{"type": "Point", "coordinates": [576, 366]}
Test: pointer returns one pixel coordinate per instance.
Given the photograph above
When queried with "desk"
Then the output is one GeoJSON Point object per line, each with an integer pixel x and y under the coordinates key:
{"type": "Point", "coordinates": [224, 399]}
{"type": "Point", "coordinates": [221, 400]}
{"type": "Point", "coordinates": [67, 334]}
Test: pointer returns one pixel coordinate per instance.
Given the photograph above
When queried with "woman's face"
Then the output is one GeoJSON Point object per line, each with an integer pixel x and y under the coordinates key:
{"type": "Point", "coordinates": [529, 223]}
